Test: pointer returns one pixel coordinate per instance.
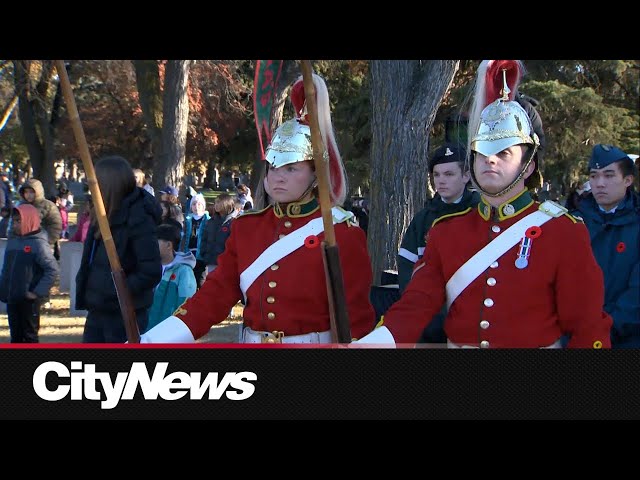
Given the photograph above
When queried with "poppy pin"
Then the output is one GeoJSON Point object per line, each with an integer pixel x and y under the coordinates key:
{"type": "Point", "coordinates": [225, 229]}
{"type": "Point", "coordinates": [621, 247]}
{"type": "Point", "coordinates": [311, 241]}
{"type": "Point", "coordinates": [533, 232]}
{"type": "Point", "coordinates": [173, 276]}
{"type": "Point", "coordinates": [27, 249]}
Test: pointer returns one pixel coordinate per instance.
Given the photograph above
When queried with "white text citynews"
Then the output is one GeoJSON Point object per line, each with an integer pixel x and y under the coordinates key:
{"type": "Point", "coordinates": [83, 379]}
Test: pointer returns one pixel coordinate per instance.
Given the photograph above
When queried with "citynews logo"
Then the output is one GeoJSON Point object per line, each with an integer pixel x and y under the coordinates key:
{"type": "Point", "coordinates": [83, 380]}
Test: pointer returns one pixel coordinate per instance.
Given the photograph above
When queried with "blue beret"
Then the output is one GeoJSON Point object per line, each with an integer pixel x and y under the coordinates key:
{"type": "Point", "coordinates": [604, 155]}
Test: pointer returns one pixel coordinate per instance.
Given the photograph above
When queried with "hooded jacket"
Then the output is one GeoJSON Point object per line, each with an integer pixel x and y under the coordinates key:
{"type": "Point", "coordinates": [50, 219]}
{"type": "Point", "coordinates": [178, 283]}
{"type": "Point", "coordinates": [29, 265]}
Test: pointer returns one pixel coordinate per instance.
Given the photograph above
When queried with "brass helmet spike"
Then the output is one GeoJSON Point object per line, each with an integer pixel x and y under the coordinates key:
{"type": "Point", "coordinates": [505, 89]}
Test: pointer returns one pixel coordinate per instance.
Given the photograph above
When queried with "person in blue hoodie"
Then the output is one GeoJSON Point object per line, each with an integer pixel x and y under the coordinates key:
{"type": "Point", "coordinates": [612, 215]}
{"type": "Point", "coordinates": [28, 273]}
{"type": "Point", "coordinates": [178, 280]}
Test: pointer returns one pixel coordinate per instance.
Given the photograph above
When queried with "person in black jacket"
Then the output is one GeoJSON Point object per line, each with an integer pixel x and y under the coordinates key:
{"type": "Point", "coordinates": [133, 215]}
{"type": "Point", "coordinates": [450, 177]}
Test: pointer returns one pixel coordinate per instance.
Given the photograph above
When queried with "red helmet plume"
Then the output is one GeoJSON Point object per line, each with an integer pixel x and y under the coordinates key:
{"type": "Point", "coordinates": [494, 79]}
{"type": "Point", "coordinates": [337, 176]}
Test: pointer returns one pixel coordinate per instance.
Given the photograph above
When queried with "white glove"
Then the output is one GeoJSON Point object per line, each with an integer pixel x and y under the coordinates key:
{"type": "Point", "coordinates": [381, 336]}
{"type": "Point", "coordinates": [170, 330]}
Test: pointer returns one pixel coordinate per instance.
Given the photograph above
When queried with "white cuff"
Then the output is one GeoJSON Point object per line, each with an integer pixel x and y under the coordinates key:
{"type": "Point", "coordinates": [170, 330]}
{"type": "Point", "coordinates": [379, 335]}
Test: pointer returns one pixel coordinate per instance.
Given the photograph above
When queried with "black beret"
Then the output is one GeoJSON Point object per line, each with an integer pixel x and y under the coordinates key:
{"type": "Point", "coordinates": [449, 152]}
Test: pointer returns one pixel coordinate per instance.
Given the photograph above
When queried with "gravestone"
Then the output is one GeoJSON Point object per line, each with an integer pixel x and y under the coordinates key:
{"type": "Point", "coordinates": [74, 267]}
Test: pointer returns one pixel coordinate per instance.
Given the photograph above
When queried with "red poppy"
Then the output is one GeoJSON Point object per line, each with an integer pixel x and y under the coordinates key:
{"type": "Point", "coordinates": [533, 232]}
{"type": "Point", "coordinates": [621, 247]}
{"type": "Point", "coordinates": [173, 276]}
{"type": "Point", "coordinates": [311, 241]}
{"type": "Point", "coordinates": [27, 249]}
{"type": "Point", "coordinates": [225, 229]}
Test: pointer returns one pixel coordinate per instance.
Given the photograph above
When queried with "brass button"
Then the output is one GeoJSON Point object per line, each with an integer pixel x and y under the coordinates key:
{"type": "Point", "coordinates": [494, 265]}
{"type": "Point", "coordinates": [491, 281]}
{"type": "Point", "coordinates": [271, 300]}
{"type": "Point", "coordinates": [488, 302]}
{"type": "Point", "coordinates": [271, 315]}
{"type": "Point", "coordinates": [495, 228]}
{"type": "Point", "coordinates": [272, 284]}
{"type": "Point", "coordinates": [484, 344]}
{"type": "Point", "coordinates": [287, 224]}
{"type": "Point", "coordinates": [282, 235]}
{"type": "Point", "coordinates": [484, 324]}
{"type": "Point", "coordinates": [275, 266]}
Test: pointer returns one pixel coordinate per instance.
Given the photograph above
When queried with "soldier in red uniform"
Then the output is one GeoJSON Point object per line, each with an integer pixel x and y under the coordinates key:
{"type": "Point", "coordinates": [272, 260]}
{"type": "Point", "coordinates": [514, 273]}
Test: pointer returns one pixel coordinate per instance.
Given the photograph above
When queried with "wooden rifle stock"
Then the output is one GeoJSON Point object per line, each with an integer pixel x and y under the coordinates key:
{"type": "Point", "coordinates": [126, 306]}
{"type": "Point", "coordinates": [338, 314]}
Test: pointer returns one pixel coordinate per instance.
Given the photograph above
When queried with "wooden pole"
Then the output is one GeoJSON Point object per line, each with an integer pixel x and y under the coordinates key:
{"type": "Point", "coordinates": [124, 296]}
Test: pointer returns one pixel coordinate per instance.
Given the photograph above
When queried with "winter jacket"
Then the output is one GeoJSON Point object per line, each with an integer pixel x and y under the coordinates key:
{"type": "Point", "coordinates": [29, 265]}
{"type": "Point", "coordinates": [133, 228]}
{"type": "Point", "coordinates": [84, 221]}
{"type": "Point", "coordinates": [178, 283]}
{"type": "Point", "coordinates": [50, 219]}
{"type": "Point", "coordinates": [615, 241]}
{"type": "Point", "coordinates": [186, 237]}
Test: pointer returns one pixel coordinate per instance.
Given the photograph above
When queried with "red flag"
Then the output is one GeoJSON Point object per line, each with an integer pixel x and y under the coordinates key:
{"type": "Point", "coordinates": [264, 88]}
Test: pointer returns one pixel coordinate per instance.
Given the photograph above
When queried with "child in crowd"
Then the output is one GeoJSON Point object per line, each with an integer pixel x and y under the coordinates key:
{"type": "Point", "coordinates": [178, 280]}
{"type": "Point", "coordinates": [28, 273]}
{"type": "Point", "coordinates": [84, 220]}
{"type": "Point", "coordinates": [5, 213]}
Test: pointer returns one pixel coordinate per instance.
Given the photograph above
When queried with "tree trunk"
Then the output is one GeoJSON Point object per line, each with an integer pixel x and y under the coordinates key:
{"type": "Point", "coordinates": [405, 97]}
{"type": "Point", "coordinates": [150, 96]}
{"type": "Point", "coordinates": [169, 168]}
{"type": "Point", "coordinates": [38, 131]}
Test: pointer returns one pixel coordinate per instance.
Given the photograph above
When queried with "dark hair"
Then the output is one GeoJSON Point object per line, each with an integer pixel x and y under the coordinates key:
{"type": "Point", "coordinates": [226, 204]}
{"type": "Point", "coordinates": [169, 232]}
{"type": "Point", "coordinates": [627, 167]}
{"type": "Point", "coordinates": [116, 180]}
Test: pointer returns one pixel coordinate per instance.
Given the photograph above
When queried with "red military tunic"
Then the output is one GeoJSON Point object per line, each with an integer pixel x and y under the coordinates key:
{"type": "Point", "coordinates": [559, 292]}
{"type": "Point", "coordinates": [291, 295]}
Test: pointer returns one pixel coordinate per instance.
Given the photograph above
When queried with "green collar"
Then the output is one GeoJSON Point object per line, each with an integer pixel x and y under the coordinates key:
{"type": "Point", "coordinates": [296, 209]}
{"type": "Point", "coordinates": [508, 209]}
